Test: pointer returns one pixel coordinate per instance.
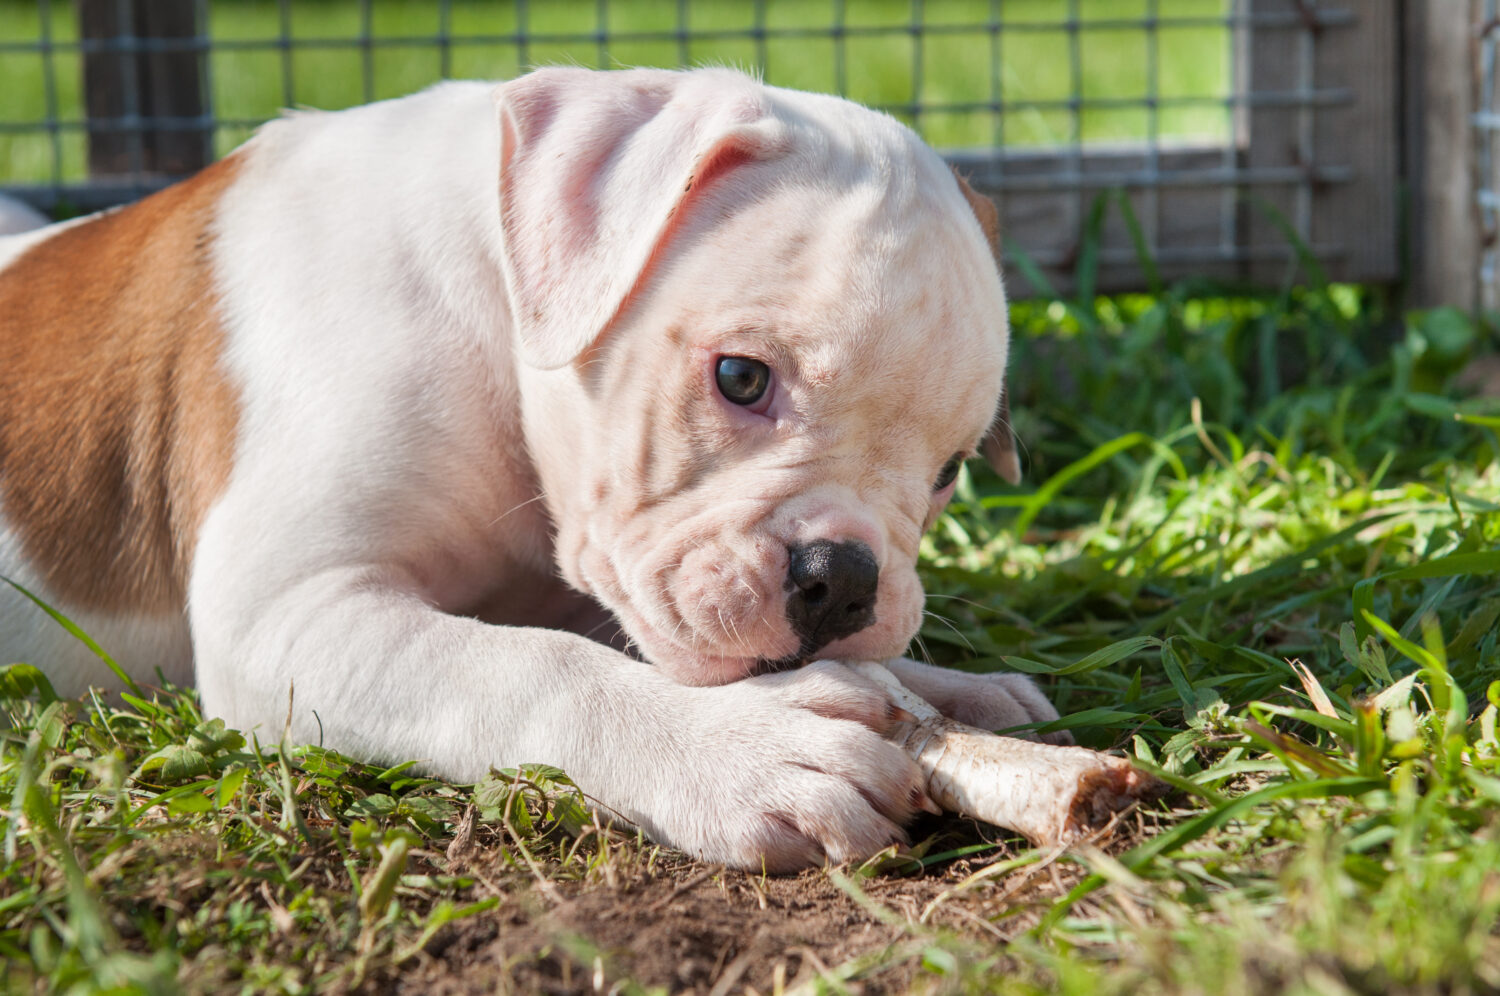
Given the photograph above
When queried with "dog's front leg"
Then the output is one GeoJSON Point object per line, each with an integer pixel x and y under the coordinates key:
{"type": "Point", "coordinates": [778, 771]}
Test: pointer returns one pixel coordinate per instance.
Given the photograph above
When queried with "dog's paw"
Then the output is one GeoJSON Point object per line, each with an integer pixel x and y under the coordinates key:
{"type": "Point", "coordinates": [988, 701]}
{"type": "Point", "coordinates": [832, 690]}
{"type": "Point", "coordinates": [1003, 701]}
{"type": "Point", "coordinates": [787, 771]}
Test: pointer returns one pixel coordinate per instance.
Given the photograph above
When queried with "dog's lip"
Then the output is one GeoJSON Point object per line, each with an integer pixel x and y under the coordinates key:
{"type": "Point", "coordinates": [790, 662]}
{"type": "Point", "coordinates": [708, 668]}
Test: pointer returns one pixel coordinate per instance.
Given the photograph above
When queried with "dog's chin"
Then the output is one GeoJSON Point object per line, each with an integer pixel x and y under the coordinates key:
{"type": "Point", "coordinates": [791, 662]}
{"type": "Point", "coordinates": [690, 669]}
{"type": "Point", "coordinates": [691, 666]}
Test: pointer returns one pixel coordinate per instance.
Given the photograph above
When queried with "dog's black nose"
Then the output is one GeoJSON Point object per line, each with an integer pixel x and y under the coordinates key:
{"type": "Point", "coordinates": [832, 591]}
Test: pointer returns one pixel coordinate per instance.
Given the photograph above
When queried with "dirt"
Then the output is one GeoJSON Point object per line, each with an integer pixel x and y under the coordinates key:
{"type": "Point", "coordinates": [695, 928]}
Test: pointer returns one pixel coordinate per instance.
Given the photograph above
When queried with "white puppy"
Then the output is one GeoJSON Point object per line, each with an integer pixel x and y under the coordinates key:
{"type": "Point", "coordinates": [405, 403]}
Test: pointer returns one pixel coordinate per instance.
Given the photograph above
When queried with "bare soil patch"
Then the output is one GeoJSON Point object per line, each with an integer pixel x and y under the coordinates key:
{"type": "Point", "coordinates": [703, 929]}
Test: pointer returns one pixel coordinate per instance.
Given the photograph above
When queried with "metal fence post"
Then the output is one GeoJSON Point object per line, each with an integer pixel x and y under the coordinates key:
{"type": "Point", "coordinates": [143, 87]}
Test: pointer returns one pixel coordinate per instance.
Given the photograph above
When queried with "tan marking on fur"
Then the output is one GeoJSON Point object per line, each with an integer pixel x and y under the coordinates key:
{"type": "Point", "coordinates": [117, 423]}
{"type": "Point", "coordinates": [999, 444]}
{"type": "Point", "coordinates": [984, 209]}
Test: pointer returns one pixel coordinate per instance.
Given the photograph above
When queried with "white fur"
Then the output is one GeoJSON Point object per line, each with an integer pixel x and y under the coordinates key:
{"type": "Point", "coordinates": [27, 634]}
{"type": "Point", "coordinates": [406, 489]}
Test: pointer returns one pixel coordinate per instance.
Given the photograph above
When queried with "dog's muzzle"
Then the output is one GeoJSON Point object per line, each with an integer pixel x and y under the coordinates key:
{"type": "Point", "coordinates": [832, 591]}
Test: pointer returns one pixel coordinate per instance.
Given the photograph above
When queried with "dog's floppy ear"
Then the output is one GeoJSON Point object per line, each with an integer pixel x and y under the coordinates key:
{"type": "Point", "coordinates": [999, 444]}
{"type": "Point", "coordinates": [595, 169]}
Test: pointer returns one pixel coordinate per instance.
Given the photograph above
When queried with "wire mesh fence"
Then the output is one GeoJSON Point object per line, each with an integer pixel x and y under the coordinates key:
{"type": "Point", "coordinates": [1236, 132]}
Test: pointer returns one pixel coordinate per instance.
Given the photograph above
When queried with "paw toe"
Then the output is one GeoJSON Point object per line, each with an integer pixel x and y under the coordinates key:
{"type": "Point", "coordinates": [1005, 701]}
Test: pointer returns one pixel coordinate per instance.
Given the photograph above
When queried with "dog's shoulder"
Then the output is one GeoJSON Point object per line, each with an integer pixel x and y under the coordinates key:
{"type": "Point", "coordinates": [116, 423]}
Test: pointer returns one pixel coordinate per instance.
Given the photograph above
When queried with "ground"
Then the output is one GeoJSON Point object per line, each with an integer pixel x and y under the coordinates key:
{"type": "Point", "coordinates": [694, 928]}
{"type": "Point", "coordinates": [1256, 551]}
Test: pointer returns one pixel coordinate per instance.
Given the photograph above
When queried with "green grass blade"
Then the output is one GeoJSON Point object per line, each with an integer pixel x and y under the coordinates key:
{"type": "Point", "coordinates": [1138, 242]}
{"type": "Point", "coordinates": [1021, 260]}
{"type": "Point", "coordinates": [79, 635]}
{"type": "Point", "coordinates": [1100, 454]}
{"type": "Point", "coordinates": [1456, 564]}
{"type": "Point", "coordinates": [1086, 274]}
{"type": "Point", "coordinates": [1193, 829]}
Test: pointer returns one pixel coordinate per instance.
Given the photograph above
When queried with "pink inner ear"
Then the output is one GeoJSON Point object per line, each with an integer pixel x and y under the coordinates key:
{"type": "Point", "coordinates": [722, 160]}
{"type": "Point", "coordinates": [595, 172]}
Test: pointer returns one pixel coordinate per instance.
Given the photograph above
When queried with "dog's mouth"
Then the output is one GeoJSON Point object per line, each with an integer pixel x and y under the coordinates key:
{"type": "Point", "coordinates": [692, 666]}
{"type": "Point", "coordinates": [790, 662]}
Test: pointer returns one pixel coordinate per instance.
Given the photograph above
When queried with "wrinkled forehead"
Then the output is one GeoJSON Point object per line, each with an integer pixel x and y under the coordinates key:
{"type": "Point", "coordinates": [880, 279]}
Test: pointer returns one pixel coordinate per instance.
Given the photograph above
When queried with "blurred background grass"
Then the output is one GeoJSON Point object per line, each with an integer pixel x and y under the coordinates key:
{"type": "Point", "coordinates": [896, 68]}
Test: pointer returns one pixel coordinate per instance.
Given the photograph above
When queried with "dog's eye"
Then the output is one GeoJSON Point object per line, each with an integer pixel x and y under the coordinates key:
{"type": "Point", "coordinates": [949, 473]}
{"type": "Point", "coordinates": [742, 380]}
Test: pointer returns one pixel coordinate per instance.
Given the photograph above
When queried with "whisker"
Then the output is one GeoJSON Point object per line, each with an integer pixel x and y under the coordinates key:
{"type": "Point", "coordinates": [949, 623]}
{"type": "Point", "coordinates": [538, 497]}
{"type": "Point", "coordinates": [926, 655]}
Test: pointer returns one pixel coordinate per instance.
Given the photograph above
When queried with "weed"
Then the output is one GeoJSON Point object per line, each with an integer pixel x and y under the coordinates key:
{"type": "Point", "coordinates": [1256, 549]}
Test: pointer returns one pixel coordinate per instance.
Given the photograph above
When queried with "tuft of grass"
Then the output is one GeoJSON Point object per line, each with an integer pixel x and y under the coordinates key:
{"type": "Point", "coordinates": [147, 849]}
{"type": "Point", "coordinates": [1262, 556]}
{"type": "Point", "coordinates": [1258, 549]}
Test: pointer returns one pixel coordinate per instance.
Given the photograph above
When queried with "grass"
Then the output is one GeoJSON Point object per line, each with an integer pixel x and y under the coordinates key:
{"type": "Point", "coordinates": [1258, 548]}
{"type": "Point", "coordinates": [884, 68]}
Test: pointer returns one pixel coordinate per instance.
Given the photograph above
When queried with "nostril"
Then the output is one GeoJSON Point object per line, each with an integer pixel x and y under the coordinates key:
{"type": "Point", "coordinates": [831, 590]}
{"type": "Point", "coordinates": [811, 567]}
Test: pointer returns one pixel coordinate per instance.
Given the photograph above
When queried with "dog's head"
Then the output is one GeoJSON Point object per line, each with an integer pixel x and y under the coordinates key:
{"type": "Point", "coordinates": [759, 329]}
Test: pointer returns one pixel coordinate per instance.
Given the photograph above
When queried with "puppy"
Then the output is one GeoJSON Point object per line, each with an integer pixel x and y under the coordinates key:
{"type": "Point", "coordinates": [558, 421]}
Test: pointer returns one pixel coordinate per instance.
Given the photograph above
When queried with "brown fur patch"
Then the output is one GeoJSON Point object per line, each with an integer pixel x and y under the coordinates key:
{"type": "Point", "coordinates": [117, 423]}
{"type": "Point", "coordinates": [984, 209]}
